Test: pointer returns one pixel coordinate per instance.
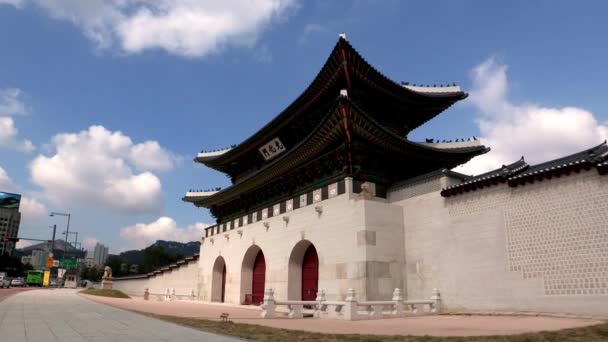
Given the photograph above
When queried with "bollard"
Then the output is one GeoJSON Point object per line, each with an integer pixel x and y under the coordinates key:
{"type": "Point", "coordinates": [146, 294]}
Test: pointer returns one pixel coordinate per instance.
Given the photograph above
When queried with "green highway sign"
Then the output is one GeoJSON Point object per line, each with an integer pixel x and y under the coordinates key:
{"type": "Point", "coordinates": [68, 264]}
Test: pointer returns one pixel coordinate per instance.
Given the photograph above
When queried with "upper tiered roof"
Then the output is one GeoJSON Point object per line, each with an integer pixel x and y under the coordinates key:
{"type": "Point", "coordinates": [398, 107]}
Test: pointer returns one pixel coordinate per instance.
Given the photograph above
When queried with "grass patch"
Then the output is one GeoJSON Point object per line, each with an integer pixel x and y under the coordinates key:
{"type": "Point", "coordinates": [105, 293]}
{"type": "Point", "coordinates": [261, 333]}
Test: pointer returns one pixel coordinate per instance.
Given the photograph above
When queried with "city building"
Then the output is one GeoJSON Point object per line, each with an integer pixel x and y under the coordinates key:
{"type": "Point", "coordinates": [39, 258]}
{"type": "Point", "coordinates": [9, 221]}
{"type": "Point", "coordinates": [331, 195]}
{"type": "Point", "coordinates": [97, 256]}
{"type": "Point", "coordinates": [26, 259]}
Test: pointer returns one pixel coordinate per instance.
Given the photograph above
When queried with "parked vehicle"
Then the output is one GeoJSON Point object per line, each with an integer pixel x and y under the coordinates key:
{"type": "Point", "coordinates": [4, 282]}
{"type": "Point", "coordinates": [18, 282]}
{"type": "Point", "coordinates": [34, 278]}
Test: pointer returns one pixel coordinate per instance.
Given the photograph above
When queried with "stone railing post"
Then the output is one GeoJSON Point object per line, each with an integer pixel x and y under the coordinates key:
{"type": "Point", "coordinates": [350, 305]}
{"type": "Point", "coordinates": [319, 307]}
{"type": "Point", "coordinates": [295, 311]}
{"type": "Point", "coordinates": [173, 296]}
{"type": "Point", "coordinates": [146, 294]}
{"type": "Point", "coordinates": [192, 296]}
{"type": "Point", "coordinates": [436, 298]}
{"type": "Point", "coordinates": [167, 295]}
{"type": "Point", "coordinates": [268, 304]}
{"type": "Point", "coordinates": [398, 305]}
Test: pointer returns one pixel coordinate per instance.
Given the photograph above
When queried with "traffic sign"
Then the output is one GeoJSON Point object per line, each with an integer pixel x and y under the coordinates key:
{"type": "Point", "coordinates": [69, 264]}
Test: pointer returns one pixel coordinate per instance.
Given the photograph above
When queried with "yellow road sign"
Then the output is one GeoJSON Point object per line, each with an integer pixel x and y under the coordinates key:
{"type": "Point", "coordinates": [47, 277]}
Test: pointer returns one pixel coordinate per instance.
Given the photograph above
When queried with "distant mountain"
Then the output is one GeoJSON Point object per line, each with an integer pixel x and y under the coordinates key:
{"type": "Point", "coordinates": [170, 247]}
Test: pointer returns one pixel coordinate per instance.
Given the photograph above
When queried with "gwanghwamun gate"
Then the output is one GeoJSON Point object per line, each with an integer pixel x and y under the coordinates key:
{"type": "Point", "coordinates": [332, 209]}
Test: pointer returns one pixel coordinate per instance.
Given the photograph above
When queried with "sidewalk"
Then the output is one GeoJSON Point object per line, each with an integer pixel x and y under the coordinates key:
{"type": "Point", "coordinates": [60, 315]}
{"type": "Point", "coordinates": [422, 325]}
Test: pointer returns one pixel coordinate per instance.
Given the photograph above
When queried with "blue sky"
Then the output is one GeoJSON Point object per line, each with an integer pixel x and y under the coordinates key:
{"type": "Point", "coordinates": [117, 97]}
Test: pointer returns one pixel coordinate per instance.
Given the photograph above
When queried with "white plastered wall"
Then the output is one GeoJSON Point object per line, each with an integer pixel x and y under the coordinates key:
{"type": "Point", "coordinates": [542, 247]}
{"type": "Point", "coordinates": [354, 238]}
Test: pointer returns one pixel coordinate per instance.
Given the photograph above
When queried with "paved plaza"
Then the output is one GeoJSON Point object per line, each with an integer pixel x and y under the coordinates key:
{"type": "Point", "coordinates": [62, 315]}
{"type": "Point", "coordinates": [443, 325]}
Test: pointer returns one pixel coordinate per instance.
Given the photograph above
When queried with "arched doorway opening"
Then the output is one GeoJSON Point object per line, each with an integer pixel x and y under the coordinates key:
{"type": "Point", "coordinates": [253, 276]}
{"type": "Point", "coordinates": [303, 270]}
{"type": "Point", "coordinates": [218, 280]}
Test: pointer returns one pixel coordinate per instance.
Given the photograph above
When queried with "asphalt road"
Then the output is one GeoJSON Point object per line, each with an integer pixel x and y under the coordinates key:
{"type": "Point", "coordinates": [62, 315]}
{"type": "Point", "coordinates": [4, 293]}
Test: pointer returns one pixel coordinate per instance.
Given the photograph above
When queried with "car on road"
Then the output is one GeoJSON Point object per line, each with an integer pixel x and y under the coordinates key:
{"type": "Point", "coordinates": [4, 282]}
{"type": "Point", "coordinates": [18, 282]}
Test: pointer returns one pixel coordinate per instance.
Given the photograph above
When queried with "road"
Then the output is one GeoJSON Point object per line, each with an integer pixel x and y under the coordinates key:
{"type": "Point", "coordinates": [4, 293]}
{"type": "Point", "coordinates": [62, 315]}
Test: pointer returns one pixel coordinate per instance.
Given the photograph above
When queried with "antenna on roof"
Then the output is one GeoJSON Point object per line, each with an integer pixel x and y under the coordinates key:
{"type": "Point", "coordinates": [342, 36]}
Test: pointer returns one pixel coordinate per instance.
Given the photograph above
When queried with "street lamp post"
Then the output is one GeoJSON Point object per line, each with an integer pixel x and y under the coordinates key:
{"type": "Point", "coordinates": [67, 228]}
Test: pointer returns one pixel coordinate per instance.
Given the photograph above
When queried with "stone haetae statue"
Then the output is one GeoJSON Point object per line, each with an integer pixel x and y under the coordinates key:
{"type": "Point", "coordinates": [107, 272]}
{"type": "Point", "coordinates": [365, 192]}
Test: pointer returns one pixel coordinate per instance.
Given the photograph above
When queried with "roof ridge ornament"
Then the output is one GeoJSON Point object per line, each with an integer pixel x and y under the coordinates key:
{"type": "Point", "coordinates": [343, 93]}
{"type": "Point", "coordinates": [342, 35]}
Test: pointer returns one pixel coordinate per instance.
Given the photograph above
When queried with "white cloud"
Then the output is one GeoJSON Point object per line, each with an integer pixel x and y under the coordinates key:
{"type": "Point", "coordinates": [16, 3]}
{"type": "Point", "coordinates": [6, 183]}
{"type": "Point", "coordinates": [11, 104]}
{"type": "Point", "coordinates": [513, 130]}
{"type": "Point", "coordinates": [23, 243]}
{"type": "Point", "coordinates": [96, 166]}
{"type": "Point", "coordinates": [33, 212]}
{"type": "Point", "coordinates": [89, 242]}
{"type": "Point", "coordinates": [183, 27]}
{"type": "Point", "coordinates": [141, 235]}
{"type": "Point", "coordinates": [8, 136]}
{"type": "Point", "coordinates": [309, 30]}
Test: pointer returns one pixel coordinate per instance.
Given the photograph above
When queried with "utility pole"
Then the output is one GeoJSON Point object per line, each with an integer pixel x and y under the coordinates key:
{"type": "Point", "coordinates": [53, 240]}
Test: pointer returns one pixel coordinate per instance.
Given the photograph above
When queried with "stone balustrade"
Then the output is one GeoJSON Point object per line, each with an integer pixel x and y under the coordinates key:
{"type": "Point", "coordinates": [169, 295]}
{"type": "Point", "coordinates": [350, 308]}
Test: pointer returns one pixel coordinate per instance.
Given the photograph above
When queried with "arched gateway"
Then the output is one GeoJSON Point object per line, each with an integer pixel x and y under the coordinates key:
{"type": "Point", "coordinates": [253, 276]}
{"type": "Point", "coordinates": [218, 281]}
{"type": "Point", "coordinates": [303, 281]}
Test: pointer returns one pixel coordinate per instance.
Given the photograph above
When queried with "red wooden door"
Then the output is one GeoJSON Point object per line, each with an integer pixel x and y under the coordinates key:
{"type": "Point", "coordinates": [223, 283]}
{"type": "Point", "coordinates": [310, 274]}
{"type": "Point", "coordinates": [259, 278]}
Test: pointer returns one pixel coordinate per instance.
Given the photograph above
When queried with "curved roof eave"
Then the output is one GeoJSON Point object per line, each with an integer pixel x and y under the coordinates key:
{"type": "Point", "coordinates": [217, 161]}
{"type": "Point", "coordinates": [473, 151]}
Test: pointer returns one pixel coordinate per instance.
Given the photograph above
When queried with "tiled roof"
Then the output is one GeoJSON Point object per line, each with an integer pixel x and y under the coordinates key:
{"type": "Point", "coordinates": [520, 173]}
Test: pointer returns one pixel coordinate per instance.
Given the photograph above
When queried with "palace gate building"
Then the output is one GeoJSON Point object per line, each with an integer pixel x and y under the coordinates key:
{"type": "Point", "coordinates": [331, 194]}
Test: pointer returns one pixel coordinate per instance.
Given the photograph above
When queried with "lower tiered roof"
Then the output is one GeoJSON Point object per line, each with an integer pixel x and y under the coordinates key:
{"type": "Point", "coordinates": [347, 142]}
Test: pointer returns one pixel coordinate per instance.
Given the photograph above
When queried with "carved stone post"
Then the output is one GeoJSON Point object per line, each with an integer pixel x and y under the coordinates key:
{"type": "Point", "coordinates": [192, 296]}
{"type": "Point", "coordinates": [268, 305]}
{"type": "Point", "coordinates": [350, 307]}
{"type": "Point", "coordinates": [319, 307]}
{"type": "Point", "coordinates": [146, 294]}
{"type": "Point", "coordinates": [173, 297]}
{"type": "Point", "coordinates": [167, 295]}
{"type": "Point", "coordinates": [398, 305]}
{"type": "Point", "coordinates": [436, 298]}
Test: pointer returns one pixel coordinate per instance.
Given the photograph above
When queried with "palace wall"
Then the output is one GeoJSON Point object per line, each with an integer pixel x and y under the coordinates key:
{"type": "Point", "coordinates": [358, 242]}
{"type": "Point", "coordinates": [183, 278]}
{"type": "Point", "coordinates": [542, 247]}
